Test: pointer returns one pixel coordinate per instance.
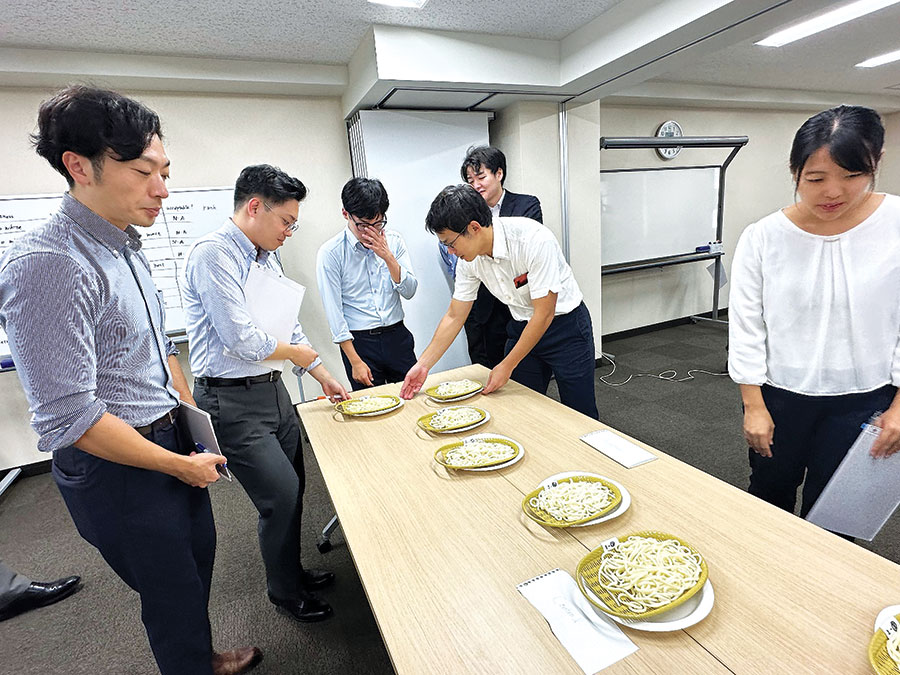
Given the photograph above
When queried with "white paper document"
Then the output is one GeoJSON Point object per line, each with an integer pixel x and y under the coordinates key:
{"type": "Point", "coordinates": [593, 640]}
{"type": "Point", "coordinates": [273, 302]}
{"type": "Point", "coordinates": [863, 492]}
{"type": "Point", "coordinates": [200, 428]}
{"type": "Point", "coordinates": [617, 448]}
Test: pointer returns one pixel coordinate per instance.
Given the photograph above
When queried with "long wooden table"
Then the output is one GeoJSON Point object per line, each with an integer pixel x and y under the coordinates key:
{"type": "Point", "coordinates": [440, 552]}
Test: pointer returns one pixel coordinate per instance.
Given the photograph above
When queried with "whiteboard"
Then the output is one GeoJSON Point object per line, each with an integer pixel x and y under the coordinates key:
{"type": "Point", "coordinates": [656, 213]}
{"type": "Point", "coordinates": [185, 216]}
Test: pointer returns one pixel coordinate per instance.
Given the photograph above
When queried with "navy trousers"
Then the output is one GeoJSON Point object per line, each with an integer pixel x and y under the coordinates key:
{"type": "Point", "coordinates": [157, 534]}
{"type": "Point", "coordinates": [566, 350]}
{"type": "Point", "coordinates": [387, 351]}
{"type": "Point", "coordinates": [486, 329]}
{"type": "Point", "coordinates": [812, 436]}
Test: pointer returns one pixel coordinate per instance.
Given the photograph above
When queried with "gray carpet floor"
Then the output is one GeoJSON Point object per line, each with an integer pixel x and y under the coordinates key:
{"type": "Point", "coordinates": [98, 630]}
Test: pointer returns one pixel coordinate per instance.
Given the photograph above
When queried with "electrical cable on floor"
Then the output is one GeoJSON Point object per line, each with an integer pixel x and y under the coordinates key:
{"type": "Point", "coordinates": [664, 375]}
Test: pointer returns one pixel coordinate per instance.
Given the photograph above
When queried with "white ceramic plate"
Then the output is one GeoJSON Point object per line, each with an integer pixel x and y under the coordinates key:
{"type": "Point", "coordinates": [886, 614]}
{"type": "Point", "coordinates": [618, 511]}
{"type": "Point", "coordinates": [690, 612]}
{"type": "Point", "coordinates": [378, 412]}
{"type": "Point", "coordinates": [487, 416]}
{"type": "Point", "coordinates": [519, 454]}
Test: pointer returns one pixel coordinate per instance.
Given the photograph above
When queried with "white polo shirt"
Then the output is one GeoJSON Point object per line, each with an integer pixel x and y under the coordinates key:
{"type": "Point", "coordinates": [527, 263]}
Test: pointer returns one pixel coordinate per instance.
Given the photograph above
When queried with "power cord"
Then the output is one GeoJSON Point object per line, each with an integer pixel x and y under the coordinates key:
{"type": "Point", "coordinates": [669, 375]}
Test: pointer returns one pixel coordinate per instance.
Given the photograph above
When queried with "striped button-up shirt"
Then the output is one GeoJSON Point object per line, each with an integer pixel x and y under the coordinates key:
{"type": "Point", "coordinates": [356, 286]}
{"type": "Point", "coordinates": [224, 340]}
{"type": "Point", "coordinates": [86, 326]}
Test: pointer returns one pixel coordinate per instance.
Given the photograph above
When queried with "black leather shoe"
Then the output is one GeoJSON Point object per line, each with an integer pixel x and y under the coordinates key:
{"type": "Point", "coordinates": [315, 579]}
{"type": "Point", "coordinates": [40, 594]}
{"type": "Point", "coordinates": [306, 608]}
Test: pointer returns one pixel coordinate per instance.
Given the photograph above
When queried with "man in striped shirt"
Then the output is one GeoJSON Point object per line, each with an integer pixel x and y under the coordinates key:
{"type": "Point", "coordinates": [86, 329]}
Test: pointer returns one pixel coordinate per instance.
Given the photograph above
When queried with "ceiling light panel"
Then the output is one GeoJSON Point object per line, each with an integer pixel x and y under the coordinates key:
{"type": "Point", "coordinates": [825, 21]}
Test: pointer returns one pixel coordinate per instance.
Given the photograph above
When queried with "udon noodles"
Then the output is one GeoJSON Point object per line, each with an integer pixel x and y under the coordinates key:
{"type": "Point", "coordinates": [453, 418]}
{"type": "Point", "coordinates": [893, 647]}
{"type": "Point", "coordinates": [367, 404]}
{"type": "Point", "coordinates": [479, 451]}
{"type": "Point", "coordinates": [458, 388]}
{"type": "Point", "coordinates": [575, 500]}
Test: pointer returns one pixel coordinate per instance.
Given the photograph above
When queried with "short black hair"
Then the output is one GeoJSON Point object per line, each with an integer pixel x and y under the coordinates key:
{"type": "Point", "coordinates": [486, 156]}
{"type": "Point", "coordinates": [854, 136]}
{"type": "Point", "coordinates": [94, 123]}
{"type": "Point", "coordinates": [268, 182]}
{"type": "Point", "coordinates": [364, 198]}
{"type": "Point", "coordinates": [455, 207]}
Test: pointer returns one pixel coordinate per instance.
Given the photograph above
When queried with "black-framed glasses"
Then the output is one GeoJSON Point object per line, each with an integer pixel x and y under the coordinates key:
{"type": "Point", "coordinates": [288, 225]}
{"type": "Point", "coordinates": [450, 244]}
{"type": "Point", "coordinates": [378, 225]}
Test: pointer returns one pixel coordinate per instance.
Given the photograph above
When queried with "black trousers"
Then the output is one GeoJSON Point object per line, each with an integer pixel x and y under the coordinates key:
{"type": "Point", "coordinates": [486, 329]}
{"type": "Point", "coordinates": [259, 432]}
{"type": "Point", "coordinates": [812, 436]}
{"type": "Point", "coordinates": [157, 534]}
{"type": "Point", "coordinates": [566, 350]}
{"type": "Point", "coordinates": [387, 351]}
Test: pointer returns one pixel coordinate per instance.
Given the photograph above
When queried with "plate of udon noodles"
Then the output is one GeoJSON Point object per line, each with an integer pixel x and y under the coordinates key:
{"type": "Point", "coordinates": [368, 406]}
{"type": "Point", "coordinates": [884, 647]}
{"type": "Point", "coordinates": [453, 419]}
{"type": "Point", "coordinates": [647, 580]}
{"type": "Point", "coordinates": [455, 390]}
{"type": "Point", "coordinates": [481, 452]}
{"type": "Point", "coordinates": [572, 500]}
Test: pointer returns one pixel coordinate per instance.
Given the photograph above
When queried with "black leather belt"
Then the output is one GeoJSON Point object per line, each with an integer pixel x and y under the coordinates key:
{"type": "Point", "coordinates": [274, 376]}
{"type": "Point", "coordinates": [379, 330]}
{"type": "Point", "coordinates": [166, 420]}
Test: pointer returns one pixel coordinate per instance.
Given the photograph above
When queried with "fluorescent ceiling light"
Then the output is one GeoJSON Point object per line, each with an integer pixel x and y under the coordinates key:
{"type": "Point", "coordinates": [418, 4]}
{"type": "Point", "coordinates": [890, 57]}
{"type": "Point", "coordinates": [828, 20]}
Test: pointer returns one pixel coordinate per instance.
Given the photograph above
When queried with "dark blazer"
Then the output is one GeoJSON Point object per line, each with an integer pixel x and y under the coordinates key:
{"type": "Point", "coordinates": [515, 204]}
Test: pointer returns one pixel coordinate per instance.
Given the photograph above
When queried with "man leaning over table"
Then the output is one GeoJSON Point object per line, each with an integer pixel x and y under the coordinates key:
{"type": "Point", "coordinates": [363, 271]}
{"type": "Point", "coordinates": [86, 328]}
{"type": "Point", "coordinates": [255, 422]}
{"type": "Point", "coordinates": [521, 263]}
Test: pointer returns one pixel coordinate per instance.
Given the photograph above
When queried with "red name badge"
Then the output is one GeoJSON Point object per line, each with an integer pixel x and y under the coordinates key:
{"type": "Point", "coordinates": [521, 280]}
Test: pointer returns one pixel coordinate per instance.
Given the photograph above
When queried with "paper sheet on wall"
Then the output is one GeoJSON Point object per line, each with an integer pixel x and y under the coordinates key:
{"type": "Point", "coordinates": [273, 302]}
{"type": "Point", "coordinates": [863, 492]}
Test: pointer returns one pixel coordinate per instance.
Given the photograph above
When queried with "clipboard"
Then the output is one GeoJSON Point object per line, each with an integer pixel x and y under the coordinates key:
{"type": "Point", "coordinates": [200, 428]}
{"type": "Point", "coordinates": [863, 492]}
{"type": "Point", "coordinates": [273, 302]}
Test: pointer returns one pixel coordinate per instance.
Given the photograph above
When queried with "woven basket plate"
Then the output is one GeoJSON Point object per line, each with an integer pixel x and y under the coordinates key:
{"type": "Point", "coordinates": [425, 421]}
{"type": "Point", "coordinates": [432, 391]}
{"type": "Point", "coordinates": [878, 656]}
{"type": "Point", "coordinates": [587, 575]}
{"type": "Point", "coordinates": [439, 456]}
{"type": "Point", "coordinates": [389, 403]}
{"type": "Point", "coordinates": [544, 518]}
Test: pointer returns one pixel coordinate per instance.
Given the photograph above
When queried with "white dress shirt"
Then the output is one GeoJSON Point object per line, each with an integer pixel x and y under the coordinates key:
{"type": "Point", "coordinates": [526, 251]}
{"type": "Point", "coordinates": [813, 314]}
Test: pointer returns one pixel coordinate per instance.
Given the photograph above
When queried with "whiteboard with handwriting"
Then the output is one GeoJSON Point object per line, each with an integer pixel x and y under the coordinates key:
{"type": "Point", "coordinates": [185, 216]}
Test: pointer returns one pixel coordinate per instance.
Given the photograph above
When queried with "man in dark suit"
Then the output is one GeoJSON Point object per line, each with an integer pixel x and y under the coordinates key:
{"type": "Point", "coordinates": [484, 168]}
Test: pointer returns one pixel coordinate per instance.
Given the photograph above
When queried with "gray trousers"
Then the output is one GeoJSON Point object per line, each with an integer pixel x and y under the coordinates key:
{"type": "Point", "coordinates": [259, 432]}
{"type": "Point", "coordinates": [12, 585]}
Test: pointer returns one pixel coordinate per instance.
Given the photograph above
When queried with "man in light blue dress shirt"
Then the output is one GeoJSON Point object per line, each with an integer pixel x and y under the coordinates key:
{"type": "Point", "coordinates": [363, 272]}
{"type": "Point", "coordinates": [86, 329]}
{"type": "Point", "coordinates": [252, 413]}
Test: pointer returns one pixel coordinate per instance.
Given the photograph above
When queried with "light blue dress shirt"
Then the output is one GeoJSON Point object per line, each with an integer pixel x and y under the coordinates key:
{"type": "Point", "coordinates": [86, 326]}
{"type": "Point", "coordinates": [356, 286]}
{"type": "Point", "coordinates": [224, 340]}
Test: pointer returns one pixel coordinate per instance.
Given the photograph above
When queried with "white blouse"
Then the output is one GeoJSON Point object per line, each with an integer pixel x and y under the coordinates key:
{"type": "Point", "coordinates": [813, 314]}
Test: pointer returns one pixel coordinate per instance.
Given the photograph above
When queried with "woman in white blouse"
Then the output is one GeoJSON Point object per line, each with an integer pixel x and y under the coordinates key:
{"type": "Point", "coordinates": [815, 312]}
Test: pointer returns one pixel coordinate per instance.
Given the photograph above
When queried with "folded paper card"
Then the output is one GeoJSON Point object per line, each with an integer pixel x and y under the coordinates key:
{"type": "Point", "coordinates": [620, 449]}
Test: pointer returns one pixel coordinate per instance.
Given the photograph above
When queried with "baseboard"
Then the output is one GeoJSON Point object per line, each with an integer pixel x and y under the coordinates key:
{"type": "Point", "coordinates": [642, 330]}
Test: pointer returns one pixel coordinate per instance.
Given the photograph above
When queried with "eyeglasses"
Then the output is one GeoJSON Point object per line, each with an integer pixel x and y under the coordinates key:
{"type": "Point", "coordinates": [450, 244]}
{"type": "Point", "coordinates": [288, 225]}
{"type": "Point", "coordinates": [378, 225]}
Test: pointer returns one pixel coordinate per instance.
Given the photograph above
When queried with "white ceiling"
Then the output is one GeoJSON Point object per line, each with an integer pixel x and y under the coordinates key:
{"type": "Point", "coordinates": [821, 63]}
{"type": "Point", "coordinates": [300, 31]}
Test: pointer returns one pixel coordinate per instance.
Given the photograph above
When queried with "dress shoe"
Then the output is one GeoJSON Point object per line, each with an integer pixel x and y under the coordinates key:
{"type": "Point", "coordinates": [236, 661]}
{"type": "Point", "coordinates": [40, 594]}
{"type": "Point", "coordinates": [313, 580]}
{"type": "Point", "coordinates": [306, 607]}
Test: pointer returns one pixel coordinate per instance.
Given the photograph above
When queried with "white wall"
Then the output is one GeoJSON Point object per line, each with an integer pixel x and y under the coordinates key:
{"type": "Point", "coordinates": [209, 139]}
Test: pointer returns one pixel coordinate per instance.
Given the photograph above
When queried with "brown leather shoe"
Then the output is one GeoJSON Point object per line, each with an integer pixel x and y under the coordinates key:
{"type": "Point", "coordinates": [236, 661]}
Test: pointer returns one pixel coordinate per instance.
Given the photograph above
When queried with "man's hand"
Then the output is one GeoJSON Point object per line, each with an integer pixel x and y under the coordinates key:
{"type": "Point", "coordinates": [303, 356]}
{"type": "Point", "coordinates": [888, 441]}
{"type": "Point", "coordinates": [334, 390]}
{"type": "Point", "coordinates": [362, 373]}
{"type": "Point", "coordinates": [376, 241]}
{"type": "Point", "coordinates": [498, 377]}
{"type": "Point", "coordinates": [759, 429]}
{"type": "Point", "coordinates": [413, 381]}
{"type": "Point", "coordinates": [199, 469]}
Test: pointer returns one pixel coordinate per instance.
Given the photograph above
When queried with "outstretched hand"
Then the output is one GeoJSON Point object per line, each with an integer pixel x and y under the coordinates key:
{"type": "Point", "coordinates": [888, 441]}
{"type": "Point", "coordinates": [413, 381]}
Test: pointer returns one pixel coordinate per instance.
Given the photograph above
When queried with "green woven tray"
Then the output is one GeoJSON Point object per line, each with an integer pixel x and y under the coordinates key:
{"type": "Point", "coordinates": [439, 454]}
{"type": "Point", "coordinates": [390, 403]}
{"type": "Point", "coordinates": [424, 421]}
{"type": "Point", "coordinates": [587, 575]}
{"type": "Point", "coordinates": [544, 518]}
{"type": "Point", "coordinates": [432, 391]}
